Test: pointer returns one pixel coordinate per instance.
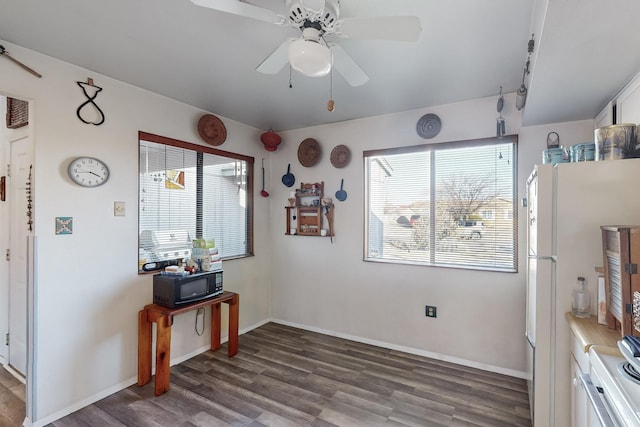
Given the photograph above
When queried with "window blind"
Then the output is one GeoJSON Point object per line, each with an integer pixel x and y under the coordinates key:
{"type": "Point", "coordinates": [448, 204]}
{"type": "Point", "coordinates": [203, 191]}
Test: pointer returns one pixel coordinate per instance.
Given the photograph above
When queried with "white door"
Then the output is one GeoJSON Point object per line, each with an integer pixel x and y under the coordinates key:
{"type": "Point", "coordinates": [21, 160]}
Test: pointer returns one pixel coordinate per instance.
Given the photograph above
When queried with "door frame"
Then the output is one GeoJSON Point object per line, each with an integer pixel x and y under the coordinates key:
{"type": "Point", "coordinates": [30, 374]}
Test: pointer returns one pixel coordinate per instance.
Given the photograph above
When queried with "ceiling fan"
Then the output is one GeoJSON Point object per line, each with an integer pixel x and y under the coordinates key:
{"type": "Point", "coordinates": [311, 54]}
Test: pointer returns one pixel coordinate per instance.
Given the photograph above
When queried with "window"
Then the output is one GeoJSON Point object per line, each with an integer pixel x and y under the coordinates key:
{"type": "Point", "coordinates": [189, 191]}
{"type": "Point", "coordinates": [449, 204]}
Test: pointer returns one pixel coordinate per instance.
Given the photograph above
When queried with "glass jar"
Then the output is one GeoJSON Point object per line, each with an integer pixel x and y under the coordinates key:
{"type": "Point", "coordinates": [580, 299]}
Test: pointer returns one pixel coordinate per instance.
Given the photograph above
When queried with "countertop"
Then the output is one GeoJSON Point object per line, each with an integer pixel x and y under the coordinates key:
{"type": "Point", "coordinates": [589, 332]}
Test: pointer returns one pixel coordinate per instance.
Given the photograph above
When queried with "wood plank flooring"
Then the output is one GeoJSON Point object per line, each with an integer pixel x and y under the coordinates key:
{"type": "Point", "coordinates": [283, 376]}
{"type": "Point", "coordinates": [12, 408]}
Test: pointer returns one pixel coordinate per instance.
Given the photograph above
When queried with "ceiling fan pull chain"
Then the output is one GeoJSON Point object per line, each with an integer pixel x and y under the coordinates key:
{"type": "Point", "coordinates": [290, 85]}
{"type": "Point", "coordinates": [330, 104]}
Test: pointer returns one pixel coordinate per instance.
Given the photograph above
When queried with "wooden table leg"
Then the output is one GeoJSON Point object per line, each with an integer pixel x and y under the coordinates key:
{"type": "Point", "coordinates": [215, 326]}
{"type": "Point", "coordinates": [163, 354]}
{"type": "Point", "coordinates": [234, 312]}
{"type": "Point", "coordinates": [144, 348]}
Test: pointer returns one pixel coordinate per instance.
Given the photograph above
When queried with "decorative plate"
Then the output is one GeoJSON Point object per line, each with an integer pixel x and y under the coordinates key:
{"type": "Point", "coordinates": [212, 130]}
{"type": "Point", "coordinates": [309, 152]}
{"type": "Point", "coordinates": [340, 156]}
{"type": "Point", "coordinates": [428, 126]}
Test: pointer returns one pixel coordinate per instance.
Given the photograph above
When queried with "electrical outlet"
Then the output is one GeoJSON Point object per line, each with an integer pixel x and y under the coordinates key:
{"type": "Point", "coordinates": [430, 311]}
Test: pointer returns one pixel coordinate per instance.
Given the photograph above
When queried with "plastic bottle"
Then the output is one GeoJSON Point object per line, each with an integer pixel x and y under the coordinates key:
{"type": "Point", "coordinates": [580, 299]}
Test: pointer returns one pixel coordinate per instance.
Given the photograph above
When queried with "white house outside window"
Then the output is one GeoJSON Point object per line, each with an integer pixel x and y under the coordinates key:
{"type": "Point", "coordinates": [449, 204]}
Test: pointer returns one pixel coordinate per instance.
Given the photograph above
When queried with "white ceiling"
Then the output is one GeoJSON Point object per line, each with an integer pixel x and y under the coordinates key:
{"type": "Point", "coordinates": [467, 50]}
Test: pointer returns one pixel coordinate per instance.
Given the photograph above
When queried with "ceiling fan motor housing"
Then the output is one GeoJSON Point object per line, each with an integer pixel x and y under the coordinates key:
{"type": "Point", "coordinates": [327, 17]}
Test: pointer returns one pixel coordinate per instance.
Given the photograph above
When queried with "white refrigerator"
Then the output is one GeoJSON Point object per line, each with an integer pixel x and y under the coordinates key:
{"type": "Point", "coordinates": [567, 204]}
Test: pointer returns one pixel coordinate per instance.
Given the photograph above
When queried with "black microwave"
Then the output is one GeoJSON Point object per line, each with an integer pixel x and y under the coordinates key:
{"type": "Point", "coordinates": [175, 291]}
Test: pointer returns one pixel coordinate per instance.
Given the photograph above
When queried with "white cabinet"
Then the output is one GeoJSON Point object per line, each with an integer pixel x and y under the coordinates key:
{"type": "Point", "coordinates": [605, 117]}
{"type": "Point", "coordinates": [579, 399]}
{"type": "Point", "coordinates": [579, 403]}
{"type": "Point", "coordinates": [585, 333]}
{"type": "Point", "coordinates": [628, 103]}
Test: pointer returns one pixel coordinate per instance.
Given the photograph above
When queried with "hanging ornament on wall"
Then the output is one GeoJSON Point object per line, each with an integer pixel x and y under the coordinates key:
{"type": "Point", "coordinates": [212, 130]}
{"type": "Point", "coordinates": [271, 140]}
{"type": "Point", "coordinates": [87, 88]}
{"type": "Point", "coordinates": [27, 190]}
{"type": "Point", "coordinates": [500, 125]}
{"type": "Point", "coordinates": [428, 126]}
{"type": "Point", "coordinates": [521, 94]}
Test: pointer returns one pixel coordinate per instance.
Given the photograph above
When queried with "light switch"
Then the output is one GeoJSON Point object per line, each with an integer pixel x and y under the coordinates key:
{"type": "Point", "coordinates": [118, 208]}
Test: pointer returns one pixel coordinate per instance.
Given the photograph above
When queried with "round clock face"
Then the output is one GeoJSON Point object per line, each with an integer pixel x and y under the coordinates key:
{"type": "Point", "coordinates": [88, 171]}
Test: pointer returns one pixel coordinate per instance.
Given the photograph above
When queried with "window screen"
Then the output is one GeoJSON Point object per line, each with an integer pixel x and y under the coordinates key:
{"type": "Point", "coordinates": [449, 204]}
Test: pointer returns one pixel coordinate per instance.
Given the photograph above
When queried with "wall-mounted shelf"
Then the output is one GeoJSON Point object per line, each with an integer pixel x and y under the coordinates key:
{"type": "Point", "coordinates": [309, 210]}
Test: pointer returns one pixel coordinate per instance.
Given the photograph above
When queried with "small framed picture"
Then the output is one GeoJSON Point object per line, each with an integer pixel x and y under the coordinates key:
{"type": "Point", "coordinates": [64, 225]}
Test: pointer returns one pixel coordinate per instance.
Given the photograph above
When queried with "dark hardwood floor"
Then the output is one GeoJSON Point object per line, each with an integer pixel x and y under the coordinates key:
{"type": "Point", "coordinates": [285, 376]}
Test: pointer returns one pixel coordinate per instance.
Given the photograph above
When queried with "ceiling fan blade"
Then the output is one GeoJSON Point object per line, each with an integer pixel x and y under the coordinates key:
{"type": "Point", "coordinates": [315, 6]}
{"type": "Point", "coordinates": [236, 7]}
{"type": "Point", "coordinates": [347, 67]}
{"type": "Point", "coordinates": [400, 28]}
{"type": "Point", "coordinates": [277, 59]}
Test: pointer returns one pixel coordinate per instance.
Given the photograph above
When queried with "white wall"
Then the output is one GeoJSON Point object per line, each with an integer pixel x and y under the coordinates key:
{"type": "Point", "coordinates": [89, 292]}
{"type": "Point", "coordinates": [328, 287]}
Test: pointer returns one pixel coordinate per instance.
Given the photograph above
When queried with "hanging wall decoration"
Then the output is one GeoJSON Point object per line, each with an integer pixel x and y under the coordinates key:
{"type": "Point", "coordinates": [340, 156]}
{"type": "Point", "coordinates": [27, 189]}
{"type": "Point", "coordinates": [271, 140]}
{"type": "Point", "coordinates": [64, 225]}
{"type": "Point", "coordinates": [212, 130]}
{"type": "Point", "coordinates": [500, 124]}
{"type": "Point", "coordinates": [309, 152]}
{"type": "Point", "coordinates": [428, 126]}
{"type": "Point", "coordinates": [521, 94]}
{"type": "Point", "coordinates": [91, 91]}
{"type": "Point", "coordinates": [17, 113]}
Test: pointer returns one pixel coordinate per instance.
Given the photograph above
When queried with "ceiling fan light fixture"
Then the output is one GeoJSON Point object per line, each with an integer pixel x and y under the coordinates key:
{"type": "Point", "coordinates": [309, 56]}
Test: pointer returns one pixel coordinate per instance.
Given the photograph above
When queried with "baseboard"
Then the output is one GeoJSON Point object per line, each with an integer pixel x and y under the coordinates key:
{"type": "Point", "coordinates": [410, 350]}
{"type": "Point", "coordinates": [17, 375]}
{"type": "Point", "coordinates": [121, 386]}
{"type": "Point", "coordinates": [178, 360]}
{"type": "Point", "coordinates": [85, 402]}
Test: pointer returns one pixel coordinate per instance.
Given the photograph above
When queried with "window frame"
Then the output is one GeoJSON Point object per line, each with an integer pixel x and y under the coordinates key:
{"type": "Point", "coordinates": [158, 139]}
{"type": "Point", "coordinates": [513, 139]}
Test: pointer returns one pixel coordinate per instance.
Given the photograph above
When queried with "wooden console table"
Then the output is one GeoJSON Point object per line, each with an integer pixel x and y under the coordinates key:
{"type": "Point", "coordinates": [163, 317]}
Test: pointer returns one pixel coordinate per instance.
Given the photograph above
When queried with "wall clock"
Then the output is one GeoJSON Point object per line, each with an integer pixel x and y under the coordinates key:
{"type": "Point", "coordinates": [88, 171]}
